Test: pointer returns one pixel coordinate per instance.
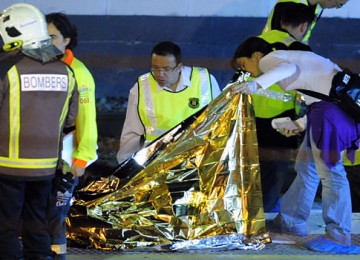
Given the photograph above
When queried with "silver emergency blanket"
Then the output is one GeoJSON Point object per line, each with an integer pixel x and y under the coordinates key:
{"type": "Point", "coordinates": [197, 187]}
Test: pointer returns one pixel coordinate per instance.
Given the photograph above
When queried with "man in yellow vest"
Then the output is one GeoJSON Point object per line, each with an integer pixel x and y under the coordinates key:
{"type": "Point", "coordinates": [317, 6]}
{"type": "Point", "coordinates": [163, 98]}
{"type": "Point", "coordinates": [277, 152]}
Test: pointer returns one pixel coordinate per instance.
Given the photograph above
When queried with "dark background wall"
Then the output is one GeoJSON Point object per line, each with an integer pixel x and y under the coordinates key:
{"type": "Point", "coordinates": [117, 49]}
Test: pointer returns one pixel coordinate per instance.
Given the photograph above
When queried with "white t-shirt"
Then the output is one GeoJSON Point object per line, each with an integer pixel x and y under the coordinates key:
{"type": "Point", "coordinates": [297, 70]}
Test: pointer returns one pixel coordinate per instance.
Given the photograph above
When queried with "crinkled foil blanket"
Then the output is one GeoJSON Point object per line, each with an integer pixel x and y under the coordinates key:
{"type": "Point", "coordinates": [196, 187]}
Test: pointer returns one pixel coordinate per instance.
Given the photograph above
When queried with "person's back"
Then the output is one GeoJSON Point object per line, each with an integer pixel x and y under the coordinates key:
{"type": "Point", "coordinates": [38, 94]}
{"type": "Point", "coordinates": [317, 7]}
{"type": "Point", "coordinates": [38, 101]}
{"type": "Point", "coordinates": [47, 85]}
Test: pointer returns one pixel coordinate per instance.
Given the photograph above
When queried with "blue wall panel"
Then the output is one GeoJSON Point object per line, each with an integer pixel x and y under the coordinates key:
{"type": "Point", "coordinates": [117, 48]}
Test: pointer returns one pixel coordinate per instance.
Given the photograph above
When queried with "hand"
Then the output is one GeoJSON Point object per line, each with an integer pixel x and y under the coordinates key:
{"type": "Point", "coordinates": [286, 132]}
{"type": "Point", "coordinates": [65, 182]}
{"type": "Point", "coordinates": [247, 87]}
{"type": "Point", "coordinates": [77, 171]}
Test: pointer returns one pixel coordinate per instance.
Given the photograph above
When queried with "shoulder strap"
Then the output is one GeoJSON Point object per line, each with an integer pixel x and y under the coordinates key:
{"type": "Point", "coordinates": [318, 95]}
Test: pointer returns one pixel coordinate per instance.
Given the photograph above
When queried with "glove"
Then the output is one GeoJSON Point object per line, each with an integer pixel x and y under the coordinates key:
{"type": "Point", "coordinates": [65, 181]}
{"type": "Point", "coordinates": [77, 170]}
{"type": "Point", "coordinates": [247, 87]}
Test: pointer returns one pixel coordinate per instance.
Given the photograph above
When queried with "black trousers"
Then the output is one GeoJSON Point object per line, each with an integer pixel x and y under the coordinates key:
{"type": "Point", "coordinates": [353, 175]}
{"type": "Point", "coordinates": [24, 205]}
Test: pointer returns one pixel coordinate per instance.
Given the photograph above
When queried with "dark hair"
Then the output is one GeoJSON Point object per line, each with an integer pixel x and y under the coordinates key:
{"type": "Point", "coordinates": [167, 48]}
{"type": "Point", "coordinates": [252, 45]}
{"type": "Point", "coordinates": [295, 14]}
{"type": "Point", "coordinates": [65, 27]}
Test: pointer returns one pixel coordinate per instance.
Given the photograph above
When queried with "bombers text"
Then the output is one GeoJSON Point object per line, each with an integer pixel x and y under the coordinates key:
{"type": "Point", "coordinates": [44, 82]}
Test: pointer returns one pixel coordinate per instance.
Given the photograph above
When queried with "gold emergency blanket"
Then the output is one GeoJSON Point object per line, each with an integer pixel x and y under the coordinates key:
{"type": "Point", "coordinates": [203, 184]}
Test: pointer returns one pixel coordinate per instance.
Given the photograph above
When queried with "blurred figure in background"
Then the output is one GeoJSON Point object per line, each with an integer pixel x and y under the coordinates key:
{"type": "Point", "coordinates": [317, 7]}
{"type": "Point", "coordinates": [64, 36]}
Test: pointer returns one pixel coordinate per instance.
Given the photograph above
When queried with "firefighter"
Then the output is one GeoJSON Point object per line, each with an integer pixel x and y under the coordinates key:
{"type": "Point", "coordinates": [38, 98]}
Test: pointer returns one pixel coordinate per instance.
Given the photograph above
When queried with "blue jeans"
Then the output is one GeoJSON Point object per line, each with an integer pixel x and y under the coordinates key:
{"type": "Point", "coordinates": [297, 202]}
{"type": "Point", "coordinates": [58, 210]}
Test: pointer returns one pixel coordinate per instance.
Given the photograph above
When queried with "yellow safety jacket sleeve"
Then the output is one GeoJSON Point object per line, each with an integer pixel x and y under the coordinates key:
{"type": "Point", "coordinates": [357, 159]}
{"type": "Point", "coordinates": [86, 126]}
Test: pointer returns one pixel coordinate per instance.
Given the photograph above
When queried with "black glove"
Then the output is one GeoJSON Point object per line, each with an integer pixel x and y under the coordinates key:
{"type": "Point", "coordinates": [65, 182]}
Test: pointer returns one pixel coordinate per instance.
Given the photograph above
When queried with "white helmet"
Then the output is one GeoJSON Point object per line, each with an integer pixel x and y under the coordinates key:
{"type": "Point", "coordinates": [26, 23]}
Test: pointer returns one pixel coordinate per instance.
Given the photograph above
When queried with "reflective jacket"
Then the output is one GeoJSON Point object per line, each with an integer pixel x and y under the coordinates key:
{"type": "Point", "coordinates": [86, 127]}
{"type": "Point", "coordinates": [356, 161]}
{"type": "Point", "coordinates": [273, 21]}
{"type": "Point", "coordinates": [36, 101]}
{"type": "Point", "coordinates": [162, 110]}
{"type": "Point", "coordinates": [267, 107]}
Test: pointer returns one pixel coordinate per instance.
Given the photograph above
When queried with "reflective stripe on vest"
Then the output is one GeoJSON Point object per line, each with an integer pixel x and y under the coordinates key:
{"type": "Point", "coordinates": [161, 111]}
{"type": "Point", "coordinates": [13, 160]}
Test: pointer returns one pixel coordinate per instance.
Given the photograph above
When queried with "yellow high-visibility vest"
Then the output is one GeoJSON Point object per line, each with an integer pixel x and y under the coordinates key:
{"type": "Point", "coordinates": [311, 27]}
{"type": "Point", "coordinates": [267, 107]}
{"type": "Point", "coordinates": [160, 111]}
{"type": "Point", "coordinates": [357, 159]}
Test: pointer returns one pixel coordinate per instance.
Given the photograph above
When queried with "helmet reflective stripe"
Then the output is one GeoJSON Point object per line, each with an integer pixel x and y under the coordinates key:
{"type": "Point", "coordinates": [26, 23]}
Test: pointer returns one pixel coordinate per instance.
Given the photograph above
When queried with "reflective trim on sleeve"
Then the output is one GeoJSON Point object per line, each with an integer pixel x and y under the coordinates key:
{"type": "Point", "coordinates": [14, 112]}
{"type": "Point", "coordinates": [28, 163]}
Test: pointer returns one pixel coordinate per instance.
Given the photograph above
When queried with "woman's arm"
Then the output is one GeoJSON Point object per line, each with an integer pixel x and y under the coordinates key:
{"type": "Point", "coordinates": [275, 68]}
